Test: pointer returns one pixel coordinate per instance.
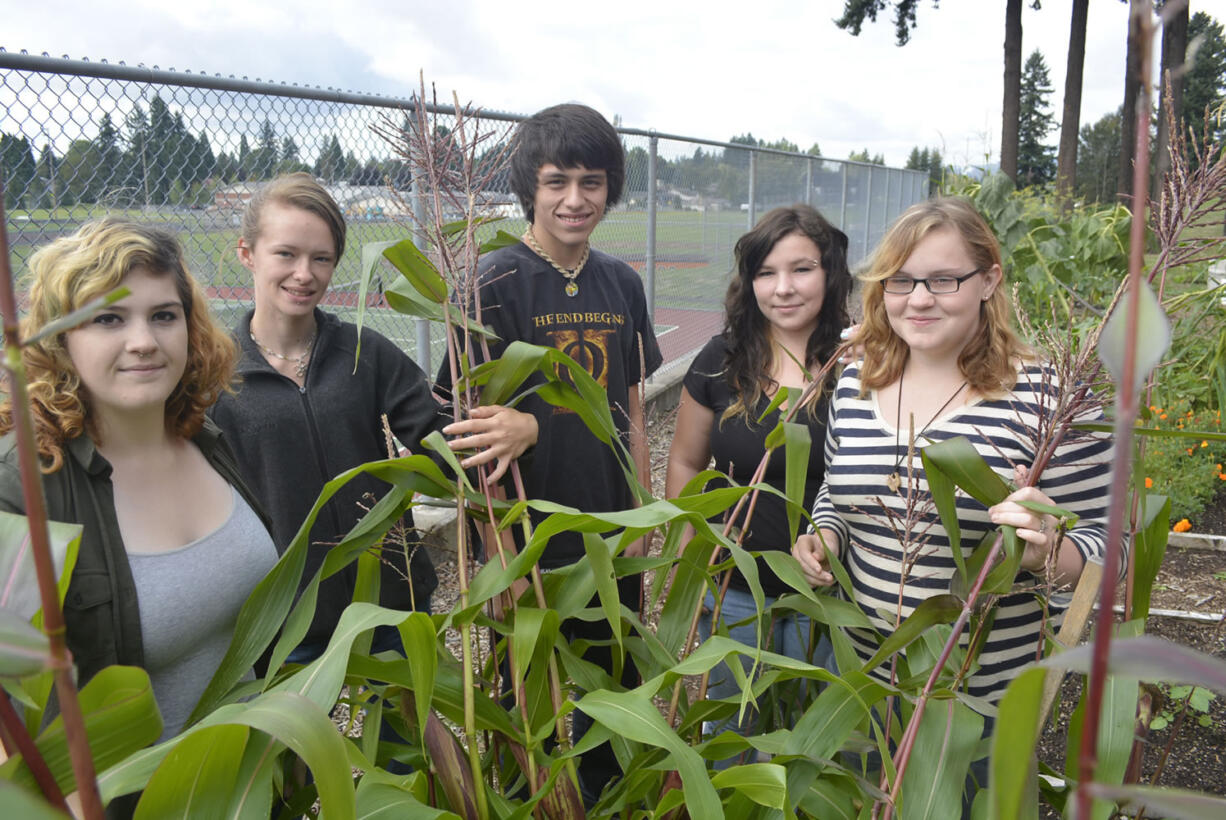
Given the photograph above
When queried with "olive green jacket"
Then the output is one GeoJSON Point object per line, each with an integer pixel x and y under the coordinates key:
{"type": "Point", "coordinates": [100, 611]}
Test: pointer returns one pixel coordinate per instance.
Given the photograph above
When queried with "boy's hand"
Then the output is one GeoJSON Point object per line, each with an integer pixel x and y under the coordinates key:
{"type": "Point", "coordinates": [496, 432]}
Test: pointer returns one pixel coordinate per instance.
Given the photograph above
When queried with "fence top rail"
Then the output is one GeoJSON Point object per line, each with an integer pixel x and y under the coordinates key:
{"type": "Point", "coordinates": [44, 63]}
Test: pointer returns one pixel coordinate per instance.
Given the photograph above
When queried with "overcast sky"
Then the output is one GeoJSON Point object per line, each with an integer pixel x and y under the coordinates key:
{"type": "Point", "coordinates": [709, 69]}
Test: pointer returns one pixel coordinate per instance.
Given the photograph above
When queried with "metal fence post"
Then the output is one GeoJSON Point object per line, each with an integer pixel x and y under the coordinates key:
{"type": "Point", "coordinates": [843, 200]}
{"type": "Point", "coordinates": [753, 189]}
{"type": "Point", "coordinates": [653, 145]}
{"type": "Point", "coordinates": [868, 209]}
{"type": "Point", "coordinates": [809, 182]}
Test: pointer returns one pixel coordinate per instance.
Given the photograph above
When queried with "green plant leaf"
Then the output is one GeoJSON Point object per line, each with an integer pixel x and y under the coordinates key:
{"type": "Point", "coordinates": [421, 649]}
{"type": "Point", "coordinates": [307, 729]}
{"type": "Point", "coordinates": [763, 783]}
{"type": "Point", "coordinates": [26, 804]}
{"type": "Point", "coordinates": [1149, 658]}
{"type": "Point", "coordinates": [1148, 550]}
{"type": "Point", "coordinates": [24, 650]}
{"type": "Point", "coordinates": [18, 578]}
{"type": "Point", "coordinates": [949, 734]}
{"type": "Point", "coordinates": [1150, 324]}
{"type": "Point", "coordinates": [78, 316]}
{"type": "Point", "coordinates": [197, 776]}
{"type": "Point", "coordinates": [121, 717]}
{"type": "Point", "coordinates": [501, 239]}
{"type": "Point", "coordinates": [417, 269]}
{"type": "Point", "coordinates": [939, 609]}
{"type": "Point", "coordinates": [958, 459]}
{"type": "Point", "coordinates": [797, 443]}
{"type": "Point", "coordinates": [1178, 804]}
{"type": "Point", "coordinates": [634, 716]}
{"type": "Point", "coordinates": [1018, 724]}
{"type": "Point", "coordinates": [371, 253]}
{"type": "Point", "coordinates": [828, 722]}
{"type": "Point", "coordinates": [941, 486]}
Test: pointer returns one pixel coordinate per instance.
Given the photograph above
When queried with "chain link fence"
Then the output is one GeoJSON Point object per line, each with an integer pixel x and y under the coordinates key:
{"type": "Point", "coordinates": [81, 140]}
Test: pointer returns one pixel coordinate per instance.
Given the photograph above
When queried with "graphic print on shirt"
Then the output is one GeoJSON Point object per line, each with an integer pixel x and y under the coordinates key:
{"type": "Point", "coordinates": [587, 346]}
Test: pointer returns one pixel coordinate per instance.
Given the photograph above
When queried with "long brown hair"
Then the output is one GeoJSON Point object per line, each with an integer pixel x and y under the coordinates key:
{"type": "Point", "coordinates": [989, 361]}
{"type": "Point", "coordinates": [67, 274]}
{"type": "Point", "coordinates": [748, 366]}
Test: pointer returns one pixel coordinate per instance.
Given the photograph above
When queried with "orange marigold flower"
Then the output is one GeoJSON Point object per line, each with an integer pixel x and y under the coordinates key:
{"type": "Point", "coordinates": [1153, 409]}
{"type": "Point", "coordinates": [1149, 483]}
{"type": "Point", "coordinates": [1191, 451]}
{"type": "Point", "coordinates": [1222, 476]}
{"type": "Point", "coordinates": [1183, 525]}
{"type": "Point", "coordinates": [1163, 417]}
{"type": "Point", "coordinates": [1204, 444]}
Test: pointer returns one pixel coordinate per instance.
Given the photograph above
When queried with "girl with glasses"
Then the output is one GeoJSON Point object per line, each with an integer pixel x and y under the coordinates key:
{"type": "Point", "coordinates": [941, 359]}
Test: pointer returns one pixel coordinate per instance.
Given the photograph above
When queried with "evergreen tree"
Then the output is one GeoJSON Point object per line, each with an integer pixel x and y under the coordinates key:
{"type": "Point", "coordinates": [914, 161]}
{"type": "Point", "coordinates": [1035, 159]}
{"type": "Point", "coordinates": [17, 170]}
{"type": "Point", "coordinates": [136, 160]}
{"type": "Point", "coordinates": [45, 185]}
{"type": "Point", "coordinates": [815, 150]}
{"type": "Point", "coordinates": [244, 159]}
{"type": "Point", "coordinates": [330, 165]}
{"type": "Point", "coordinates": [111, 168]}
{"type": "Point", "coordinates": [1098, 152]}
{"type": "Point", "coordinates": [1204, 85]}
{"type": "Point", "coordinates": [263, 160]}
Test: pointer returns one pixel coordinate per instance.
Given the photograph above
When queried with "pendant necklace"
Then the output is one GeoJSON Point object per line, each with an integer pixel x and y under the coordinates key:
{"type": "Point", "coordinates": [892, 480]}
{"type": "Point", "coordinates": [572, 287]}
{"type": "Point", "coordinates": [300, 362]}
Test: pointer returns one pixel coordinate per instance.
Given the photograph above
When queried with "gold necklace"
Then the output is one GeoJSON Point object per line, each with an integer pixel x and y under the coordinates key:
{"type": "Point", "coordinates": [572, 287]}
{"type": "Point", "coordinates": [300, 362]}
{"type": "Point", "coordinates": [892, 480]}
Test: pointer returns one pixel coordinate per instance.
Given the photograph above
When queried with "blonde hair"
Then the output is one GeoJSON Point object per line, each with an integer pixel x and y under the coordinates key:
{"type": "Point", "coordinates": [989, 360]}
{"type": "Point", "coordinates": [68, 273]}
{"type": "Point", "coordinates": [298, 190]}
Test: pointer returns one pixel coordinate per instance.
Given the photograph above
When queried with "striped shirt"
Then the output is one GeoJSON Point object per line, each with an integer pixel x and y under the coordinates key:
{"type": "Point", "coordinates": [861, 452]}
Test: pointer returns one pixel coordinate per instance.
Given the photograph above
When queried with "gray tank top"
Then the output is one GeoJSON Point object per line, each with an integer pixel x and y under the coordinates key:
{"type": "Point", "coordinates": [189, 600]}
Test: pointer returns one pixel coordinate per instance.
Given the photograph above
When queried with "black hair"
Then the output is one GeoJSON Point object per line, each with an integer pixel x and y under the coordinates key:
{"type": "Point", "coordinates": [568, 136]}
{"type": "Point", "coordinates": [748, 366]}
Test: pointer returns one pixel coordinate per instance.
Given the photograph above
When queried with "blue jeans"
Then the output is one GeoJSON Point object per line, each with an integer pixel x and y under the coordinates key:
{"type": "Point", "coordinates": [788, 635]}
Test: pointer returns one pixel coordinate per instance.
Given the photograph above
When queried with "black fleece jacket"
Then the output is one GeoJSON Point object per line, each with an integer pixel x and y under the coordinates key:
{"type": "Point", "coordinates": [292, 440]}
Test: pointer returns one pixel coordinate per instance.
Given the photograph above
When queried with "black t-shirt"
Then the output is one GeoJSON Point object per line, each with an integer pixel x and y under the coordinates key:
{"type": "Point", "coordinates": [737, 445]}
{"type": "Point", "coordinates": [523, 298]}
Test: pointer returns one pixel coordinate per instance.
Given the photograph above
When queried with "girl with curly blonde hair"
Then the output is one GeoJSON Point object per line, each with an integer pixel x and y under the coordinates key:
{"type": "Point", "coordinates": [172, 541]}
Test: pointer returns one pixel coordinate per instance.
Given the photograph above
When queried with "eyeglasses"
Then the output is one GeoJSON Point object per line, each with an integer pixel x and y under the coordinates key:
{"type": "Point", "coordinates": [901, 285]}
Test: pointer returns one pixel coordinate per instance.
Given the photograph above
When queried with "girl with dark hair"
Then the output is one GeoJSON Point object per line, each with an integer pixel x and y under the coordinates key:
{"type": "Point", "coordinates": [785, 310]}
{"type": "Point", "coordinates": [118, 405]}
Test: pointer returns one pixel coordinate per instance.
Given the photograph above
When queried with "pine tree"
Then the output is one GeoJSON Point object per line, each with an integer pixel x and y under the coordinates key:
{"type": "Point", "coordinates": [1036, 159]}
{"type": "Point", "coordinates": [17, 169]}
{"type": "Point", "coordinates": [1204, 85]}
{"type": "Point", "coordinates": [1098, 152]}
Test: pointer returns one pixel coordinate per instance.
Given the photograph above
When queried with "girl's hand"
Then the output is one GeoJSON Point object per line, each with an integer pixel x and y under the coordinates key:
{"type": "Point", "coordinates": [1037, 530]}
{"type": "Point", "coordinates": [811, 554]}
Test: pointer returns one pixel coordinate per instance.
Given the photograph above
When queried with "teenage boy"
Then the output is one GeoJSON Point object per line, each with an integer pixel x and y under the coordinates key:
{"type": "Point", "coordinates": [552, 289]}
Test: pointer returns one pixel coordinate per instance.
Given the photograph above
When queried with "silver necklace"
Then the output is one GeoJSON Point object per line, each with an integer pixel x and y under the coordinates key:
{"type": "Point", "coordinates": [572, 287]}
{"type": "Point", "coordinates": [300, 362]}
{"type": "Point", "coordinates": [892, 480]}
